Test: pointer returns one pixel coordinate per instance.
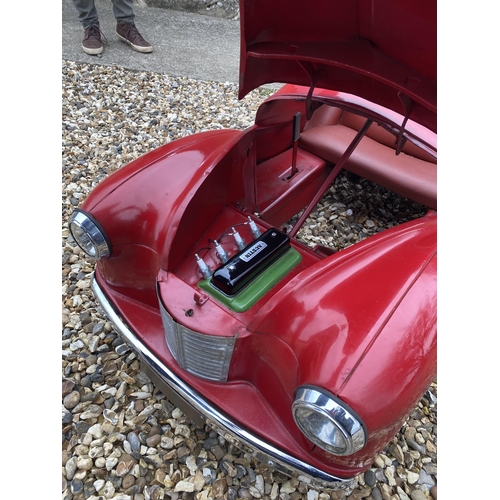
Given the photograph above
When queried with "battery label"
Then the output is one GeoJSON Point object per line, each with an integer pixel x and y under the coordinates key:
{"type": "Point", "coordinates": [253, 251]}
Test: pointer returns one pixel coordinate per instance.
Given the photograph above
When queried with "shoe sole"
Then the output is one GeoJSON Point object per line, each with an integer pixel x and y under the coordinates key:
{"type": "Point", "coordinates": [144, 50]}
{"type": "Point", "coordinates": [92, 52]}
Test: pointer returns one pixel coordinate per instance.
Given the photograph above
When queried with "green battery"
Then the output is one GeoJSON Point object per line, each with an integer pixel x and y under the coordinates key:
{"type": "Point", "coordinates": [259, 286]}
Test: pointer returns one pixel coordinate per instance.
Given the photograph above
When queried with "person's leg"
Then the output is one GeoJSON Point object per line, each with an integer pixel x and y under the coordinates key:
{"type": "Point", "coordinates": [125, 28]}
{"type": "Point", "coordinates": [123, 10]}
{"type": "Point", "coordinates": [87, 15]}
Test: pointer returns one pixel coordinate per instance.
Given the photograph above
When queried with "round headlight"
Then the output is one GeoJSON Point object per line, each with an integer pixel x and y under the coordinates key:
{"type": "Point", "coordinates": [327, 421]}
{"type": "Point", "coordinates": [88, 235]}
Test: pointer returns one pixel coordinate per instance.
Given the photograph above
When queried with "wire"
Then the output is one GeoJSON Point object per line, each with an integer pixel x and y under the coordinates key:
{"type": "Point", "coordinates": [228, 233]}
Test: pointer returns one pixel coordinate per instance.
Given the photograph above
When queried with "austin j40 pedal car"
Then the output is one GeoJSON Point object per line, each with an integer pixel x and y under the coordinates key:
{"type": "Point", "coordinates": [308, 357]}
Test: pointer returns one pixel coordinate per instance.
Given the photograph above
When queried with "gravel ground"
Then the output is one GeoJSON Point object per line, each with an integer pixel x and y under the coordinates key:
{"type": "Point", "coordinates": [121, 439]}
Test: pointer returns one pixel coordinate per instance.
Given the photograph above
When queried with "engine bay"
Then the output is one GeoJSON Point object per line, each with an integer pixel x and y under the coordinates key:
{"type": "Point", "coordinates": [269, 209]}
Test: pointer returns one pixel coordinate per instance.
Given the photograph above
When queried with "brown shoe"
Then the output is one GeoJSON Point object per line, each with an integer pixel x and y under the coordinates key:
{"type": "Point", "coordinates": [92, 42]}
{"type": "Point", "coordinates": [129, 34]}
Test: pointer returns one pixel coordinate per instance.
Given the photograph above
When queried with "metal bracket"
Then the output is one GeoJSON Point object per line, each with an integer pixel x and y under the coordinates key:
{"type": "Point", "coordinates": [408, 106]}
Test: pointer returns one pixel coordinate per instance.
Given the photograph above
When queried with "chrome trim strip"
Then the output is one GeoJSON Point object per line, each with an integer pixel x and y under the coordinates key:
{"type": "Point", "coordinates": [262, 451]}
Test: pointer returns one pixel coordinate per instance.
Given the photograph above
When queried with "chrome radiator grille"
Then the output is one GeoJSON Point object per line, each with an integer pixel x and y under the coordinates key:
{"type": "Point", "coordinates": [205, 356]}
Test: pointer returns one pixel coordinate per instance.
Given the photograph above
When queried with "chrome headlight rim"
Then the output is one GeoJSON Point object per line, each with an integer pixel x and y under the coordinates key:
{"type": "Point", "coordinates": [332, 410]}
{"type": "Point", "coordinates": [89, 235]}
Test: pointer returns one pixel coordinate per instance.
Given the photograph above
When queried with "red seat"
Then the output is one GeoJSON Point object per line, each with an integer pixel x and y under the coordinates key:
{"type": "Point", "coordinates": [374, 159]}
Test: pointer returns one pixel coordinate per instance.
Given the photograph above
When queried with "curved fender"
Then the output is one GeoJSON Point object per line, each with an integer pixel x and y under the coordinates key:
{"type": "Point", "coordinates": [133, 203]}
{"type": "Point", "coordinates": [136, 205]}
{"type": "Point", "coordinates": [332, 313]}
{"type": "Point", "coordinates": [395, 370]}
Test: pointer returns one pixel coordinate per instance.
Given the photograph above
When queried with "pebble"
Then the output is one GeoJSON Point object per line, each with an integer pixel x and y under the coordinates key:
{"type": "Point", "coordinates": [425, 478]}
{"type": "Point", "coordinates": [76, 486]}
{"type": "Point", "coordinates": [110, 117]}
{"type": "Point", "coordinates": [370, 478]}
{"type": "Point", "coordinates": [153, 440]}
{"type": "Point", "coordinates": [85, 463]}
{"type": "Point", "coordinates": [67, 387]}
{"type": "Point", "coordinates": [287, 488]}
{"type": "Point", "coordinates": [389, 474]}
{"type": "Point", "coordinates": [184, 486]}
{"type": "Point", "coordinates": [417, 447]}
{"type": "Point", "coordinates": [111, 463]}
{"type": "Point", "coordinates": [71, 400]}
{"type": "Point", "coordinates": [167, 442]}
{"type": "Point", "coordinates": [128, 481]}
{"type": "Point", "coordinates": [255, 492]}
{"type": "Point", "coordinates": [108, 490]}
{"type": "Point", "coordinates": [412, 477]}
{"type": "Point", "coordinates": [134, 442]}
{"type": "Point", "coordinates": [93, 411]}
{"type": "Point", "coordinates": [219, 488]}
{"type": "Point", "coordinates": [70, 467]}
{"type": "Point", "coordinates": [418, 495]}
{"type": "Point", "coordinates": [191, 464]}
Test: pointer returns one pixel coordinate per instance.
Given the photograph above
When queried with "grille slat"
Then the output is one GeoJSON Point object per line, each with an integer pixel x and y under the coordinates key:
{"type": "Point", "coordinates": [206, 356]}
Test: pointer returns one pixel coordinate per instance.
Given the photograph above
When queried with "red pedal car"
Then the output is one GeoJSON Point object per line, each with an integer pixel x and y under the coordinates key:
{"type": "Point", "coordinates": [307, 357]}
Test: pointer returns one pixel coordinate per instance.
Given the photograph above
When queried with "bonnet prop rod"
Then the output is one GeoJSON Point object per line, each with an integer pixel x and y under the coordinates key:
{"type": "Point", "coordinates": [408, 106]}
{"type": "Point", "coordinates": [295, 142]}
{"type": "Point", "coordinates": [331, 177]}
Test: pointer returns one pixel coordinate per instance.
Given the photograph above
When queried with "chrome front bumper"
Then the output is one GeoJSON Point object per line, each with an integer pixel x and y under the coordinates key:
{"type": "Point", "coordinates": [202, 412]}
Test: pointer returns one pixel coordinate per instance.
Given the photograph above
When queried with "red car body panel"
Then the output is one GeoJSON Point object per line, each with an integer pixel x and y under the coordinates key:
{"type": "Point", "coordinates": [373, 49]}
{"type": "Point", "coordinates": [361, 322]}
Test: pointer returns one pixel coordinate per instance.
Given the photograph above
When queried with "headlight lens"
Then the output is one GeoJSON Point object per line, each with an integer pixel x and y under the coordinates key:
{"type": "Point", "coordinates": [327, 421]}
{"type": "Point", "coordinates": [88, 235]}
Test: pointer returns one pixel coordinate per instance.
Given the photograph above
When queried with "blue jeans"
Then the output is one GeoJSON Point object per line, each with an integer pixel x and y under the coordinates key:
{"type": "Point", "coordinates": [123, 11]}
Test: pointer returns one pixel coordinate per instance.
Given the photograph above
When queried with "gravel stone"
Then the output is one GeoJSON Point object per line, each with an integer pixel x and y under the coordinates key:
{"type": "Point", "coordinates": [133, 440]}
{"type": "Point", "coordinates": [418, 495]}
{"type": "Point", "coordinates": [71, 400]}
{"type": "Point", "coordinates": [370, 478]}
{"type": "Point", "coordinates": [111, 116]}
